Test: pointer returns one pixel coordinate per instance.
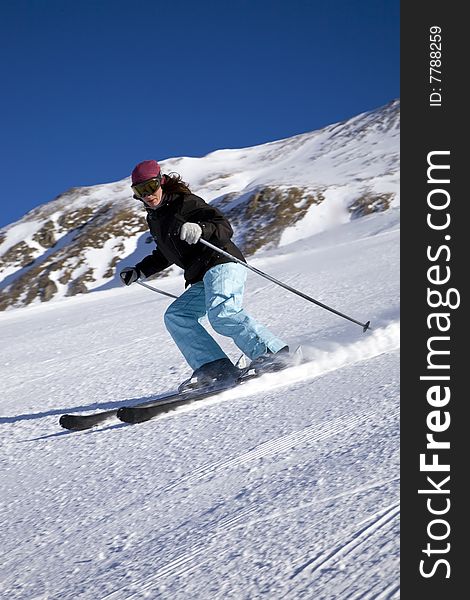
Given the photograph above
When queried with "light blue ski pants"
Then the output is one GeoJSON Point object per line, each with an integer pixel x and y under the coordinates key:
{"type": "Point", "coordinates": [220, 296]}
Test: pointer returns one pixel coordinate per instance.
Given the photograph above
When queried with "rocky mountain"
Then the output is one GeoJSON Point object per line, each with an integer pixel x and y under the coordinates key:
{"type": "Point", "coordinates": [273, 194]}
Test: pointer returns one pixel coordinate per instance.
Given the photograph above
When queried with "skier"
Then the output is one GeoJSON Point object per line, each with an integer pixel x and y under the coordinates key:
{"type": "Point", "coordinates": [177, 220]}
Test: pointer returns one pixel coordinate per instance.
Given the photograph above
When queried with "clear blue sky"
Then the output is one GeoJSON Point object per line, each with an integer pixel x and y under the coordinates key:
{"type": "Point", "coordinates": [90, 88]}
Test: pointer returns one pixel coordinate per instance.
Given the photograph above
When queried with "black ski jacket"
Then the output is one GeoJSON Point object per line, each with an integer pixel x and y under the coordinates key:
{"type": "Point", "coordinates": [165, 223]}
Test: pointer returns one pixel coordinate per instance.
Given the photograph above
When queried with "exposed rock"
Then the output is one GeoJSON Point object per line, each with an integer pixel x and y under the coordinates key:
{"type": "Point", "coordinates": [111, 269]}
{"type": "Point", "coordinates": [75, 218]}
{"type": "Point", "coordinates": [46, 235]}
{"type": "Point", "coordinates": [261, 219]}
{"type": "Point", "coordinates": [34, 283]}
{"type": "Point", "coordinates": [78, 285]}
{"type": "Point", "coordinates": [47, 288]}
{"type": "Point", "coordinates": [370, 203]}
{"type": "Point", "coordinates": [93, 231]}
{"type": "Point", "coordinates": [20, 255]}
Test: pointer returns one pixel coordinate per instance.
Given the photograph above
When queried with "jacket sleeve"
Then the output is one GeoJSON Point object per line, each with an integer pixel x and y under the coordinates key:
{"type": "Point", "coordinates": [215, 226]}
{"type": "Point", "coordinates": [153, 263]}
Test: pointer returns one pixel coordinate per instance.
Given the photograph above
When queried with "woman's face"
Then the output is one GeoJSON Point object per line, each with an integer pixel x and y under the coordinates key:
{"type": "Point", "coordinates": [154, 199]}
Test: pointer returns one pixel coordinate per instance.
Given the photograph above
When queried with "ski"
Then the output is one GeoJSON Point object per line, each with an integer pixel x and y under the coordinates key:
{"type": "Point", "coordinates": [140, 414]}
{"type": "Point", "coordinates": [145, 411]}
{"type": "Point", "coordinates": [81, 422]}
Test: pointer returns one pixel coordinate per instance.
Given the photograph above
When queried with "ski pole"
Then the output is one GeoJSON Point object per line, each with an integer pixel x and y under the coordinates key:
{"type": "Point", "coordinates": [149, 287]}
{"type": "Point", "coordinates": [365, 326]}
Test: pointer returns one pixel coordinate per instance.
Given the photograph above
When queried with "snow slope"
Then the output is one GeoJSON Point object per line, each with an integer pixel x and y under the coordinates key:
{"type": "Point", "coordinates": [287, 488]}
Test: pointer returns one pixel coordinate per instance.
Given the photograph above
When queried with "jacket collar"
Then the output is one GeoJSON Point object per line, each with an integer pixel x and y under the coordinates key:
{"type": "Point", "coordinates": [166, 199]}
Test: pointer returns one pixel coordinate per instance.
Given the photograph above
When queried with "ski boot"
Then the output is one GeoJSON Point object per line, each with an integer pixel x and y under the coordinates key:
{"type": "Point", "coordinates": [271, 361]}
{"type": "Point", "coordinates": [216, 374]}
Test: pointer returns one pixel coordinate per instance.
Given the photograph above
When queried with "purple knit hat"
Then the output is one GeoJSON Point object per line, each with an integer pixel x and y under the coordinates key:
{"type": "Point", "coordinates": [145, 170]}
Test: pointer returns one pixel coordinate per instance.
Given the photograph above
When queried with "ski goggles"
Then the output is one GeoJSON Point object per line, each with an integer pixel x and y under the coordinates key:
{"type": "Point", "coordinates": [146, 188]}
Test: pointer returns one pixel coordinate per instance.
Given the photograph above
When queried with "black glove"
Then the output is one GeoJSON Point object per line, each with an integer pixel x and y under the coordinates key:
{"type": "Point", "coordinates": [129, 275]}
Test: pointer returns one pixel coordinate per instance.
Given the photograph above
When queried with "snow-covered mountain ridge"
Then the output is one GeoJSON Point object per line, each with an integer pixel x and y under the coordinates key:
{"type": "Point", "coordinates": [273, 193]}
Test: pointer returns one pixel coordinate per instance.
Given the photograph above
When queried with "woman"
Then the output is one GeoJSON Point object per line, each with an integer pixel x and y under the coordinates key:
{"type": "Point", "coordinates": [177, 220]}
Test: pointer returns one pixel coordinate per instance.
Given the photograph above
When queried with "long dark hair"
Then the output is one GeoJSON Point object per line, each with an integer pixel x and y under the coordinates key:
{"type": "Point", "coordinates": [173, 184]}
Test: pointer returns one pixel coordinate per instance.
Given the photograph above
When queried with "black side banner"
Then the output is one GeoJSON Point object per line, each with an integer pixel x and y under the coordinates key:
{"type": "Point", "coordinates": [434, 257]}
